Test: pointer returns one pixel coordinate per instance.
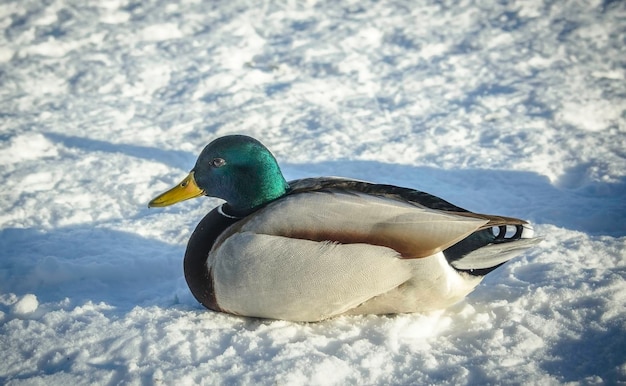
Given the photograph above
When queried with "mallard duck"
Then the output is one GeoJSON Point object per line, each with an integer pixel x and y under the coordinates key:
{"type": "Point", "coordinates": [315, 248]}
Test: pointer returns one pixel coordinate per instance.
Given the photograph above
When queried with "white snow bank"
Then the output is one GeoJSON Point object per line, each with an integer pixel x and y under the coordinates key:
{"type": "Point", "coordinates": [513, 109]}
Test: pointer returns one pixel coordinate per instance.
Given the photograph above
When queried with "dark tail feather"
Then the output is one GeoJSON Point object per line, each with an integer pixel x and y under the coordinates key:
{"type": "Point", "coordinates": [487, 249]}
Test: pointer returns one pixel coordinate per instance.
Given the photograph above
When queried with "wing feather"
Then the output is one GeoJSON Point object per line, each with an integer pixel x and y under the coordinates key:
{"type": "Point", "coordinates": [414, 232]}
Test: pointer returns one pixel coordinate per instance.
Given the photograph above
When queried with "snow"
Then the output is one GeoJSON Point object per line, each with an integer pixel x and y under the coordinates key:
{"type": "Point", "coordinates": [512, 108]}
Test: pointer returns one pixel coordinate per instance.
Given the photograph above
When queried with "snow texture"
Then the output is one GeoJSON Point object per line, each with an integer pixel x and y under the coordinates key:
{"type": "Point", "coordinates": [515, 108]}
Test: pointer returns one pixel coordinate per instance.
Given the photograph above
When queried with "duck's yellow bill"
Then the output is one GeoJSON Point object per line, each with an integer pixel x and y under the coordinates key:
{"type": "Point", "coordinates": [185, 190]}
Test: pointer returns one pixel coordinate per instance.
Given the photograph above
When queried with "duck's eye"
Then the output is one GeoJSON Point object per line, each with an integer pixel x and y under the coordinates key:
{"type": "Point", "coordinates": [218, 162]}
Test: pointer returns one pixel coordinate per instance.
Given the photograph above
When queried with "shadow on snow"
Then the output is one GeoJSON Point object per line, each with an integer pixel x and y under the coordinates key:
{"type": "Point", "coordinates": [594, 208]}
{"type": "Point", "coordinates": [177, 158]}
{"type": "Point", "coordinates": [86, 263]}
{"type": "Point", "coordinates": [91, 263]}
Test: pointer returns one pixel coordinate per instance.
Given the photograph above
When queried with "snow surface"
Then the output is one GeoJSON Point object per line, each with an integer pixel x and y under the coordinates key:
{"type": "Point", "coordinates": [513, 108]}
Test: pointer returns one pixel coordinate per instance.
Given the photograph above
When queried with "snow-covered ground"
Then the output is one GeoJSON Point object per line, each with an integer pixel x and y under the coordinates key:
{"type": "Point", "coordinates": [513, 108]}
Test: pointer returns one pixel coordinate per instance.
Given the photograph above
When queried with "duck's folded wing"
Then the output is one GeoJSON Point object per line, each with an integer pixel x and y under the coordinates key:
{"type": "Point", "coordinates": [349, 218]}
{"type": "Point", "coordinates": [295, 279]}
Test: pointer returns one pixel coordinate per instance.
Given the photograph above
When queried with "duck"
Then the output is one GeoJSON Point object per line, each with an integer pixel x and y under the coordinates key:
{"type": "Point", "coordinates": [316, 248]}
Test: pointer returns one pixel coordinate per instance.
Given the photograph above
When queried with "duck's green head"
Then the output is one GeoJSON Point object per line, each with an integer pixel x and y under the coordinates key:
{"type": "Point", "coordinates": [236, 168]}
